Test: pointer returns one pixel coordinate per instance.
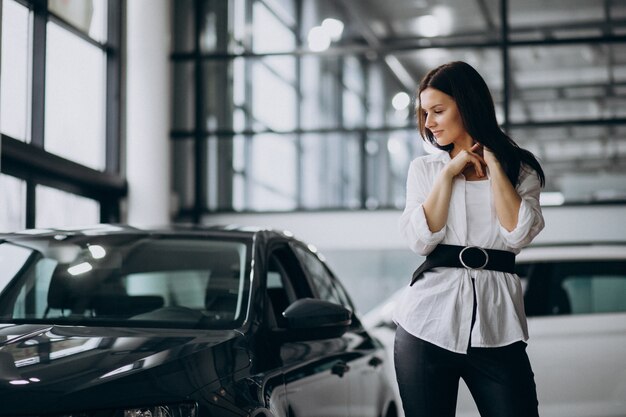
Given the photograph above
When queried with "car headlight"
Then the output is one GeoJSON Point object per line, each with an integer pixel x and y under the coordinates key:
{"type": "Point", "coordinates": [178, 410]}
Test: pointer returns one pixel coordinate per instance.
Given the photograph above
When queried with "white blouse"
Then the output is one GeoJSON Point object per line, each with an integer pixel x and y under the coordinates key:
{"type": "Point", "coordinates": [438, 307]}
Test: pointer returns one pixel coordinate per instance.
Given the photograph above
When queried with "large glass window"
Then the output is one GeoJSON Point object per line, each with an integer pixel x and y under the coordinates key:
{"type": "Point", "coordinates": [331, 170]}
{"type": "Point", "coordinates": [14, 80]}
{"type": "Point", "coordinates": [75, 99]}
{"type": "Point", "coordinates": [272, 172]}
{"type": "Point", "coordinates": [537, 19]}
{"type": "Point", "coordinates": [13, 203]}
{"type": "Point", "coordinates": [274, 98]}
{"type": "Point", "coordinates": [339, 84]}
{"type": "Point", "coordinates": [60, 112]}
{"type": "Point", "coordinates": [57, 208]}
{"type": "Point", "coordinates": [89, 16]}
{"type": "Point", "coordinates": [543, 91]}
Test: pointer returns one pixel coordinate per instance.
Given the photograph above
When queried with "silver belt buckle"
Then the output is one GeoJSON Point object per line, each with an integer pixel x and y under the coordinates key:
{"type": "Point", "coordinates": [473, 247]}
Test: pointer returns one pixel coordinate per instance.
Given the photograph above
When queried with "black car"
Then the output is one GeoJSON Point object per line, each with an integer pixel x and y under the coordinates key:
{"type": "Point", "coordinates": [180, 322]}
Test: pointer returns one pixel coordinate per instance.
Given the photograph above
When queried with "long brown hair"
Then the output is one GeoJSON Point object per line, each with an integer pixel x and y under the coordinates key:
{"type": "Point", "coordinates": [465, 85]}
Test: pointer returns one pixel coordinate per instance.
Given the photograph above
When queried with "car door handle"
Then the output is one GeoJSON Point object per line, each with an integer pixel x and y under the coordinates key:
{"type": "Point", "coordinates": [375, 362]}
{"type": "Point", "coordinates": [340, 368]}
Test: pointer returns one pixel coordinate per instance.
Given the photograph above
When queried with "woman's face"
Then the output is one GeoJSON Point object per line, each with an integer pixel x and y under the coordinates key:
{"type": "Point", "coordinates": [443, 118]}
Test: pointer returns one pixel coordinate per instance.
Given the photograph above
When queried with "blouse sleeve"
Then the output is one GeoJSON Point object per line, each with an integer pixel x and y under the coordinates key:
{"type": "Point", "coordinates": [529, 219]}
{"type": "Point", "coordinates": [413, 226]}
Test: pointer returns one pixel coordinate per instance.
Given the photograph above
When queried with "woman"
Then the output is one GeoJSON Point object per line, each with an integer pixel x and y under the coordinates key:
{"type": "Point", "coordinates": [469, 209]}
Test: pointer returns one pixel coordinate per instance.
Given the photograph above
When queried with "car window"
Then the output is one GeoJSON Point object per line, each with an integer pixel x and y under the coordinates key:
{"type": "Point", "coordinates": [574, 287]}
{"type": "Point", "coordinates": [321, 279]}
{"type": "Point", "coordinates": [279, 290]}
{"type": "Point", "coordinates": [167, 282]}
{"type": "Point", "coordinates": [285, 283]}
{"type": "Point", "coordinates": [596, 293]}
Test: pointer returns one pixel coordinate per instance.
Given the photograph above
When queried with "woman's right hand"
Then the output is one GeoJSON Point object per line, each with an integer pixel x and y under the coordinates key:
{"type": "Point", "coordinates": [467, 157]}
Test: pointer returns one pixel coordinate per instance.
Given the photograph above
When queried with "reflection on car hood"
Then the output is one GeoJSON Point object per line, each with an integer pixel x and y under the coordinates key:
{"type": "Point", "coordinates": [58, 368]}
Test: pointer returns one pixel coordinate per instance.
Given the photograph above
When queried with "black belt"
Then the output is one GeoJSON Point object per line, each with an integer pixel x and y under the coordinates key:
{"type": "Point", "coordinates": [469, 257]}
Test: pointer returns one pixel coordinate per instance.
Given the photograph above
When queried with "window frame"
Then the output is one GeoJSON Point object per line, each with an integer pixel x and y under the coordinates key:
{"type": "Point", "coordinates": [31, 162]}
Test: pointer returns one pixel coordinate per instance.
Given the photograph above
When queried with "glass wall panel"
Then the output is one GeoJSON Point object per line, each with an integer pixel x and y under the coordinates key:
{"type": "Point", "coordinates": [272, 172]}
{"type": "Point", "coordinates": [90, 16]}
{"type": "Point", "coordinates": [217, 91]}
{"type": "Point", "coordinates": [274, 99]}
{"type": "Point", "coordinates": [568, 82]}
{"type": "Point", "coordinates": [15, 70]}
{"type": "Point", "coordinates": [320, 92]}
{"type": "Point", "coordinates": [548, 19]}
{"type": "Point", "coordinates": [331, 171]}
{"type": "Point", "coordinates": [75, 99]}
{"type": "Point", "coordinates": [272, 29]}
{"type": "Point", "coordinates": [56, 208]}
{"type": "Point", "coordinates": [183, 166]}
{"type": "Point", "coordinates": [388, 157]}
{"type": "Point", "coordinates": [184, 96]}
{"type": "Point", "coordinates": [378, 91]}
{"type": "Point", "coordinates": [583, 163]}
{"type": "Point", "coordinates": [354, 97]}
{"type": "Point", "coordinates": [241, 151]}
{"type": "Point", "coordinates": [13, 203]}
{"type": "Point", "coordinates": [346, 121]}
{"type": "Point", "coordinates": [184, 26]}
{"type": "Point", "coordinates": [235, 26]}
{"type": "Point", "coordinates": [470, 20]}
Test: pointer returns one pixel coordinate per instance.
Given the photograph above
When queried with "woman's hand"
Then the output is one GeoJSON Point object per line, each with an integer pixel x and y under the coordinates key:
{"type": "Point", "coordinates": [468, 157]}
{"type": "Point", "coordinates": [490, 159]}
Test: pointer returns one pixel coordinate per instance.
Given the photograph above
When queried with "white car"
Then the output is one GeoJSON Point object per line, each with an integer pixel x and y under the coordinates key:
{"type": "Point", "coordinates": [575, 300]}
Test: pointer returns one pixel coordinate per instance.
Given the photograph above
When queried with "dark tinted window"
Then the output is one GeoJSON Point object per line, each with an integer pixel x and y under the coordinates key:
{"type": "Point", "coordinates": [574, 287]}
{"type": "Point", "coordinates": [285, 283]}
{"type": "Point", "coordinates": [321, 278]}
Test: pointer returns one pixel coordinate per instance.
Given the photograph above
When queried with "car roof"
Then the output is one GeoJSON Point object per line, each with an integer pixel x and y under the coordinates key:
{"type": "Point", "coordinates": [173, 229]}
{"type": "Point", "coordinates": [568, 252]}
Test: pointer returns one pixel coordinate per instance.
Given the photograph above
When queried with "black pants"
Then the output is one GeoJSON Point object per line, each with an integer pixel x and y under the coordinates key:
{"type": "Point", "coordinates": [500, 380]}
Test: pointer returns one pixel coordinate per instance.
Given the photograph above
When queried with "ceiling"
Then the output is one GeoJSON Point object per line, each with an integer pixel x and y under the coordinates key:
{"type": "Point", "coordinates": [567, 90]}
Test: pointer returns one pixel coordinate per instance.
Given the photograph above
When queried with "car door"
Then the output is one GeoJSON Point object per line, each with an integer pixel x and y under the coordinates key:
{"type": "Point", "coordinates": [364, 357]}
{"type": "Point", "coordinates": [577, 322]}
{"type": "Point", "coordinates": [314, 370]}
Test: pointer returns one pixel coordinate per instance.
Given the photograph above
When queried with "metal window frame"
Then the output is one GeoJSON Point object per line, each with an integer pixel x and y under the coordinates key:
{"type": "Point", "coordinates": [32, 163]}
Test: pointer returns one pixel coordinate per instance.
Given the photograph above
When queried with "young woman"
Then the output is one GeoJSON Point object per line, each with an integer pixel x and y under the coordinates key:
{"type": "Point", "coordinates": [469, 210]}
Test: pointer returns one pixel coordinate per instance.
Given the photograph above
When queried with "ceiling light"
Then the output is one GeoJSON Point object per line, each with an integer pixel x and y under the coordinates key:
{"type": "Point", "coordinates": [400, 101]}
{"type": "Point", "coordinates": [333, 27]}
{"type": "Point", "coordinates": [318, 39]}
{"type": "Point", "coordinates": [428, 25]}
{"type": "Point", "coordinates": [395, 146]}
{"type": "Point", "coordinates": [443, 14]}
{"type": "Point", "coordinates": [81, 268]}
{"type": "Point", "coordinates": [97, 251]}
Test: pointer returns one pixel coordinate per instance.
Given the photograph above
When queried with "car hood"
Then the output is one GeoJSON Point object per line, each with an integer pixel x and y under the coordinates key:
{"type": "Point", "coordinates": [61, 368]}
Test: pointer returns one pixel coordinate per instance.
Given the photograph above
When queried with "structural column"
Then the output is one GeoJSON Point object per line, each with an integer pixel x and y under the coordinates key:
{"type": "Point", "coordinates": [148, 31]}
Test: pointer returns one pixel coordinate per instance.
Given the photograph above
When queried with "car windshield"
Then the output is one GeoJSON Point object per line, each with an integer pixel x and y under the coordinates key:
{"type": "Point", "coordinates": [130, 281]}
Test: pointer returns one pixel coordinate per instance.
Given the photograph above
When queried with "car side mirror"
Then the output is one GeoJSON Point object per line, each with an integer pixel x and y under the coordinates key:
{"type": "Point", "coordinates": [311, 319]}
